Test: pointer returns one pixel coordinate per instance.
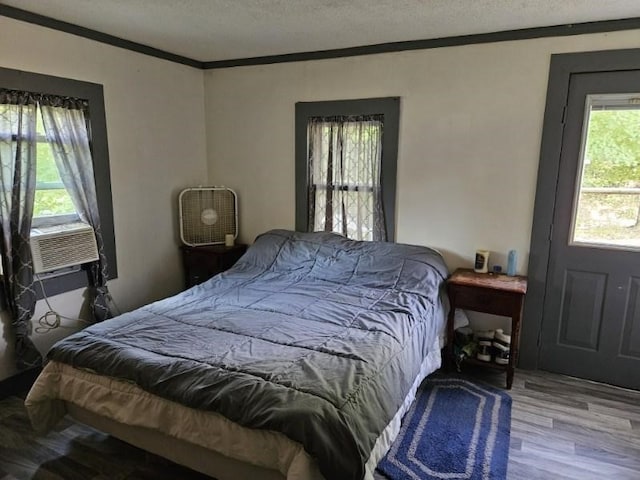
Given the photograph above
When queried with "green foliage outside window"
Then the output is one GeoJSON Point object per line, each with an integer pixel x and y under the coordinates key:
{"type": "Point", "coordinates": [613, 149]}
{"type": "Point", "coordinates": [612, 161]}
{"type": "Point", "coordinates": [51, 196]}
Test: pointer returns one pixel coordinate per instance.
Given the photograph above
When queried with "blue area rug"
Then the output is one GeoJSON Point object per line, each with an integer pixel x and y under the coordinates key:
{"type": "Point", "coordinates": [456, 429]}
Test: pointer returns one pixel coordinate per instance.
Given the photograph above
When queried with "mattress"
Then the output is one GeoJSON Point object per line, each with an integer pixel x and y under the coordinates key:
{"type": "Point", "coordinates": [313, 337]}
{"type": "Point", "coordinates": [204, 441]}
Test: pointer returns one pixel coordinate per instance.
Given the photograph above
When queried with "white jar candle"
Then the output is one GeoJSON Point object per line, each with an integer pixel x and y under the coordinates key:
{"type": "Point", "coordinates": [481, 264]}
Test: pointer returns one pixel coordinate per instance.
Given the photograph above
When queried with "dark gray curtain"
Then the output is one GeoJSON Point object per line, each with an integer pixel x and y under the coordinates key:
{"type": "Point", "coordinates": [17, 195]}
{"type": "Point", "coordinates": [345, 184]}
{"type": "Point", "coordinates": [67, 130]}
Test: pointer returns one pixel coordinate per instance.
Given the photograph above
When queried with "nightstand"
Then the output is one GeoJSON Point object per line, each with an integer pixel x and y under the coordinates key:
{"type": "Point", "coordinates": [202, 263]}
{"type": "Point", "coordinates": [496, 294]}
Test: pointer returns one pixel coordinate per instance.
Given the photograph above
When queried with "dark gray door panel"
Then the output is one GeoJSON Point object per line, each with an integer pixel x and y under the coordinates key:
{"type": "Point", "coordinates": [591, 312]}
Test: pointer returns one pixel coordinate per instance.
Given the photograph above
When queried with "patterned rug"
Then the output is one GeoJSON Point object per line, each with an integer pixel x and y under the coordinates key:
{"type": "Point", "coordinates": [455, 429]}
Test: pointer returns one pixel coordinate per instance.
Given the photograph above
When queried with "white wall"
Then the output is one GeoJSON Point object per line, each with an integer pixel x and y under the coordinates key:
{"type": "Point", "coordinates": [471, 123]}
{"type": "Point", "coordinates": [470, 130]}
{"type": "Point", "coordinates": [155, 126]}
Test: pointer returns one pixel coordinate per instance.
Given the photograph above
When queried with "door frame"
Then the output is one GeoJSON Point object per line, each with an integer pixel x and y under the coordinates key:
{"type": "Point", "coordinates": [561, 68]}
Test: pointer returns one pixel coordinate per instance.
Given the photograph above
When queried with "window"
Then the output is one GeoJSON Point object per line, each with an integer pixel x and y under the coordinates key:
{"type": "Point", "coordinates": [346, 167]}
{"type": "Point", "coordinates": [53, 203]}
{"type": "Point", "coordinates": [606, 213]}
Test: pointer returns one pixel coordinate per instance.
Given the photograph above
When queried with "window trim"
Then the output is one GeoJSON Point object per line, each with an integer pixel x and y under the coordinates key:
{"type": "Point", "coordinates": [387, 106]}
{"type": "Point", "coordinates": [93, 92]}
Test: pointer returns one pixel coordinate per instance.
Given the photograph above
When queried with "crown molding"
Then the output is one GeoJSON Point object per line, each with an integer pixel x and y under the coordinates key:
{"type": "Point", "coordinates": [48, 22]}
{"type": "Point", "coordinates": [426, 44]}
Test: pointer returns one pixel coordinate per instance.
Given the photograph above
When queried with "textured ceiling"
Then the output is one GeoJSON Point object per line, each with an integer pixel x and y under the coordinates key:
{"type": "Point", "coordinates": [209, 30]}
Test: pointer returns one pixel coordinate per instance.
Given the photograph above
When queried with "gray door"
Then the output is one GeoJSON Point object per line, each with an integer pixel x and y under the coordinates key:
{"type": "Point", "coordinates": [591, 317]}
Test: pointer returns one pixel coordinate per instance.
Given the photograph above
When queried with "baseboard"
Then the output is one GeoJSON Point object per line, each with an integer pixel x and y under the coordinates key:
{"type": "Point", "coordinates": [19, 383]}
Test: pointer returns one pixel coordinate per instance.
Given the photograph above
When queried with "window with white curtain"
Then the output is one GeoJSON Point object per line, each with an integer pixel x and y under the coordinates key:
{"type": "Point", "coordinates": [53, 204]}
{"type": "Point", "coordinates": [345, 154]}
{"type": "Point", "coordinates": [346, 167]}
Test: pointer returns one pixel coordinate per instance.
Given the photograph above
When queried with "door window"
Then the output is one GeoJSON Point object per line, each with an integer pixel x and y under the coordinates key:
{"type": "Point", "coordinates": [607, 201]}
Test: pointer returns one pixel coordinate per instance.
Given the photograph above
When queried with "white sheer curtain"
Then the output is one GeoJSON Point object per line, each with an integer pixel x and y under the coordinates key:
{"type": "Point", "coordinates": [67, 129]}
{"type": "Point", "coordinates": [345, 193]}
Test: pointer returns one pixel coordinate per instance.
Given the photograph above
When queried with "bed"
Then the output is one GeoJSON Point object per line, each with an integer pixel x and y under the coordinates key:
{"type": "Point", "coordinates": [297, 363]}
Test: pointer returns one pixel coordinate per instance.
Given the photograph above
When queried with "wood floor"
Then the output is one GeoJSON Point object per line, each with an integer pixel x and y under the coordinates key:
{"type": "Point", "coordinates": [562, 428]}
{"type": "Point", "coordinates": [567, 428]}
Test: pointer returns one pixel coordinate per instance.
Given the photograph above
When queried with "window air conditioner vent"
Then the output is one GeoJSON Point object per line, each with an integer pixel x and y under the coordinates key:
{"type": "Point", "coordinates": [62, 246]}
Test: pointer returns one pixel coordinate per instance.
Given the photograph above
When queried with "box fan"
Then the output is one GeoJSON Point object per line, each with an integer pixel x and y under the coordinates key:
{"type": "Point", "coordinates": [207, 214]}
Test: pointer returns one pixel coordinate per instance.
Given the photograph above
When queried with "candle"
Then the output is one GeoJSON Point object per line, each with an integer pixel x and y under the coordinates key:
{"type": "Point", "coordinates": [481, 264]}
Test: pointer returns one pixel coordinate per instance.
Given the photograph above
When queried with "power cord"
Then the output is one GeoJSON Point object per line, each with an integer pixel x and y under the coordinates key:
{"type": "Point", "coordinates": [52, 319]}
{"type": "Point", "coordinates": [115, 309]}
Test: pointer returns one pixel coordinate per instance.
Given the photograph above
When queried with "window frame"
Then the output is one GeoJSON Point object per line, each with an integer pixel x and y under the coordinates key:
{"type": "Point", "coordinates": [50, 220]}
{"type": "Point", "coordinates": [389, 107]}
{"type": "Point", "coordinates": [63, 281]}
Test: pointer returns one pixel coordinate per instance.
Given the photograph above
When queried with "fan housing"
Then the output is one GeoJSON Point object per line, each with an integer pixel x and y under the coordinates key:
{"type": "Point", "coordinates": [207, 215]}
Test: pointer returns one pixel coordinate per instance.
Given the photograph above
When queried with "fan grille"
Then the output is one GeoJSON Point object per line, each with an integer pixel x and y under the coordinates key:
{"type": "Point", "coordinates": [196, 207]}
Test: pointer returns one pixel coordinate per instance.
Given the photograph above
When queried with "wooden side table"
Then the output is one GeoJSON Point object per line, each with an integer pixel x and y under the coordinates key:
{"type": "Point", "coordinates": [497, 294]}
{"type": "Point", "coordinates": [202, 263]}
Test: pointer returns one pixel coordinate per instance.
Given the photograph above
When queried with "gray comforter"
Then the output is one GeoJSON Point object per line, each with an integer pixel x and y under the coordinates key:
{"type": "Point", "coordinates": [311, 335]}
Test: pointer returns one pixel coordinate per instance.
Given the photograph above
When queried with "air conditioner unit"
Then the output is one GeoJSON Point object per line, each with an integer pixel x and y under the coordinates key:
{"type": "Point", "coordinates": [61, 246]}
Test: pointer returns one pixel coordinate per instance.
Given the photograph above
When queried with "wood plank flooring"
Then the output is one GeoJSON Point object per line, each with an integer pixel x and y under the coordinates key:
{"type": "Point", "coordinates": [568, 428]}
{"type": "Point", "coordinates": [562, 428]}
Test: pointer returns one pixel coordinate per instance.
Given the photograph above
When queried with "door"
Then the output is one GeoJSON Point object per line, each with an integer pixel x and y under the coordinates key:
{"type": "Point", "coordinates": [591, 313]}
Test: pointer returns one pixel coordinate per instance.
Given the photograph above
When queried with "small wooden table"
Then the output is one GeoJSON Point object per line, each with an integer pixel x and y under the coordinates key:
{"type": "Point", "coordinates": [492, 293]}
{"type": "Point", "coordinates": [202, 263]}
